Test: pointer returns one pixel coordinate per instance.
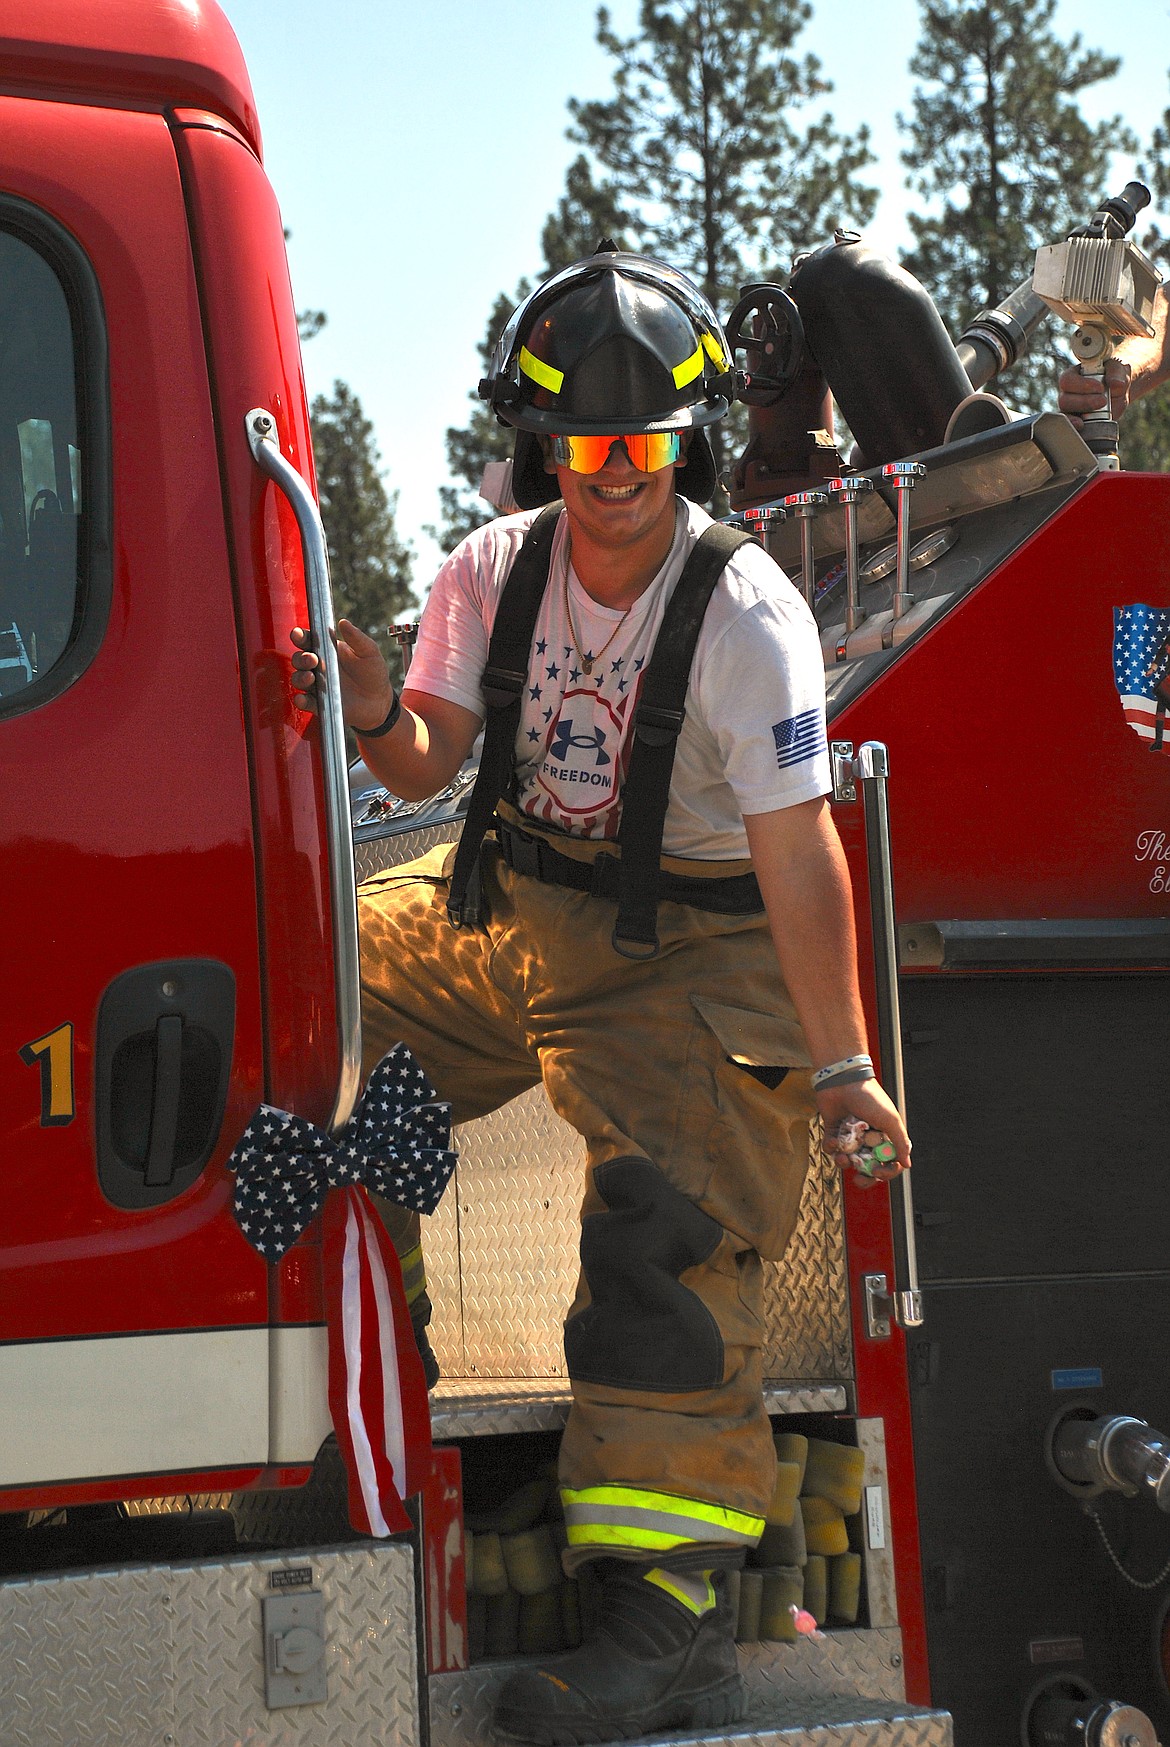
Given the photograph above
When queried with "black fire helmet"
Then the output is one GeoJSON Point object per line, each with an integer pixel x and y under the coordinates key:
{"type": "Point", "coordinates": [614, 343]}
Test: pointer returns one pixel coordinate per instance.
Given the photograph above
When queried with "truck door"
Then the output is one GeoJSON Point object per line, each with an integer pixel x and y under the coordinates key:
{"type": "Point", "coordinates": [133, 1338]}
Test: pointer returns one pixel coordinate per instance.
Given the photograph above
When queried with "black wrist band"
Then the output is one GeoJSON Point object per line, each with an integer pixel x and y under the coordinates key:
{"type": "Point", "coordinates": [383, 727]}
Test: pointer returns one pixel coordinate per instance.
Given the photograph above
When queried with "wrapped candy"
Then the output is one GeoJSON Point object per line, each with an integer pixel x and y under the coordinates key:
{"type": "Point", "coordinates": [851, 1141]}
{"type": "Point", "coordinates": [804, 1622]}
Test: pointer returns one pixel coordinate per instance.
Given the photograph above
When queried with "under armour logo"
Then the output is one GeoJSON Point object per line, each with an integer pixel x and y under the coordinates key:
{"type": "Point", "coordinates": [564, 737]}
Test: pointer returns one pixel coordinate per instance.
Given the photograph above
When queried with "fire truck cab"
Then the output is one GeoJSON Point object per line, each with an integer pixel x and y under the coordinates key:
{"type": "Point", "coordinates": [165, 847]}
{"type": "Point", "coordinates": [179, 946]}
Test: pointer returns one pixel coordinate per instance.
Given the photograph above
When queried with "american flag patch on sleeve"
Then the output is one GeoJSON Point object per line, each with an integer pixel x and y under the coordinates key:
{"type": "Point", "coordinates": [799, 738]}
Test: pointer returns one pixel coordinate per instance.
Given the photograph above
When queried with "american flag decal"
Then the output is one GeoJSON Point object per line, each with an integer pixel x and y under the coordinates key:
{"type": "Point", "coordinates": [1141, 658]}
{"type": "Point", "coordinates": [799, 737]}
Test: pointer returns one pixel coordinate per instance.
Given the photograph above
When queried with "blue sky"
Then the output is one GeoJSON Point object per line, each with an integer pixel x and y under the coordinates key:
{"type": "Point", "coordinates": [417, 149]}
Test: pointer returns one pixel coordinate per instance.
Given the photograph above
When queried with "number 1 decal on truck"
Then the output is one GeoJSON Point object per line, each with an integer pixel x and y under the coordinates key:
{"type": "Point", "coordinates": [54, 1053]}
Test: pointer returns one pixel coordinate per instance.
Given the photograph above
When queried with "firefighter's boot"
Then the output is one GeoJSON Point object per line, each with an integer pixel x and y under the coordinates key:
{"type": "Point", "coordinates": [663, 1657]}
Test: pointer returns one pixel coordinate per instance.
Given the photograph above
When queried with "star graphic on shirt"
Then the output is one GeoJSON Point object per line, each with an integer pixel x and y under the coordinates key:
{"type": "Point", "coordinates": [568, 652]}
{"type": "Point", "coordinates": [552, 670]}
{"type": "Point", "coordinates": [534, 693]}
{"type": "Point", "coordinates": [532, 734]}
{"type": "Point", "coordinates": [616, 666]}
{"type": "Point", "coordinates": [541, 647]}
{"type": "Point", "coordinates": [638, 664]}
{"type": "Point", "coordinates": [548, 715]}
{"type": "Point", "coordinates": [622, 684]}
{"type": "Point", "coordinates": [574, 675]}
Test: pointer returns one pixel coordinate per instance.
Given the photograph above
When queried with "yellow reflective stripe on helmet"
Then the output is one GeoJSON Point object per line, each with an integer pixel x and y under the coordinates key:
{"type": "Point", "coordinates": [627, 1516]}
{"type": "Point", "coordinates": [697, 1594]}
{"type": "Point", "coordinates": [714, 351]}
{"type": "Point", "coordinates": [541, 373]}
{"type": "Point", "coordinates": [688, 370]}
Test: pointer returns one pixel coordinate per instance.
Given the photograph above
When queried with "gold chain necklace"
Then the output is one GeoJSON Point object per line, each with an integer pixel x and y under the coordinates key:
{"type": "Point", "coordinates": [589, 662]}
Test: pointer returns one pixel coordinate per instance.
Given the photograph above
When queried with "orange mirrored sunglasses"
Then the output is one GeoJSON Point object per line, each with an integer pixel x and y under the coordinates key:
{"type": "Point", "coordinates": [649, 451]}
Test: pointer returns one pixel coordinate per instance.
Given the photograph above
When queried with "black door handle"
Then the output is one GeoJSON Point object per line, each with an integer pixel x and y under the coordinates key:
{"type": "Point", "coordinates": [162, 1069]}
{"type": "Point", "coordinates": [164, 1105]}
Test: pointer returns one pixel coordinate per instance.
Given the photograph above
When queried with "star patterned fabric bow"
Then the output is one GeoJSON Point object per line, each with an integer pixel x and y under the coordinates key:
{"type": "Point", "coordinates": [397, 1142]}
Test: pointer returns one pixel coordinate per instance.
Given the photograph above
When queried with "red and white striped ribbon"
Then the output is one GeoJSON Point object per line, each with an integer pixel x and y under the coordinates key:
{"type": "Point", "coordinates": [377, 1390]}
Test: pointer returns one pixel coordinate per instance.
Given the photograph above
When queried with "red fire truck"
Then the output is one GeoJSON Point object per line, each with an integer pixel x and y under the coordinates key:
{"type": "Point", "coordinates": [181, 847]}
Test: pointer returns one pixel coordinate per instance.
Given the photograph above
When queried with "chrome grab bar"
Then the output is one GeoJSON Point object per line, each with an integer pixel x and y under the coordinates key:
{"type": "Point", "coordinates": [871, 769]}
{"type": "Point", "coordinates": [261, 430]}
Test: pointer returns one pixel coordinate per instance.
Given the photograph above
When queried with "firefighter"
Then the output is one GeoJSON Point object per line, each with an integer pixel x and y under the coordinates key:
{"type": "Point", "coordinates": [680, 973]}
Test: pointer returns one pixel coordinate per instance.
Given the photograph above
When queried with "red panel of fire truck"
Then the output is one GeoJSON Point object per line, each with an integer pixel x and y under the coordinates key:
{"type": "Point", "coordinates": [165, 841]}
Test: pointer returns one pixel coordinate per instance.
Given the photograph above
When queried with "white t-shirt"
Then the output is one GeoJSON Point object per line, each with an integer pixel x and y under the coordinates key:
{"type": "Point", "coordinates": [754, 736]}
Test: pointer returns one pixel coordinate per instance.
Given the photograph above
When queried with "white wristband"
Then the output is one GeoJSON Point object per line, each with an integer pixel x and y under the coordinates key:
{"type": "Point", "coordinates": [850, 1068]}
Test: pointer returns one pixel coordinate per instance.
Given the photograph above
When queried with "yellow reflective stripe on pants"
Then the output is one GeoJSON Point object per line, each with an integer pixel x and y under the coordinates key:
{"type": "Point", "coordinates": [414, 1278]}
{"type": "Point", "coordinates": [626, 1516]}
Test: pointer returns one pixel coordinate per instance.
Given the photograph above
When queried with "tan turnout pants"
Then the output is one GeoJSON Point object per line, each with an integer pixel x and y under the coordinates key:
{"type": "Point", "coordinates": [694, 1170]}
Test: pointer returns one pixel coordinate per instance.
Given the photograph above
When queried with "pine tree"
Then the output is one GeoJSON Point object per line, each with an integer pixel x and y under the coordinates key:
{"type": "Point", "coordinates": [1145, 429]}
{"type": "Point", "coordinates": [471, 446]}
{"type": "Point", "coordinates": [699, 143]}
{"type": "Point", "coordinates": [369, 565]}
{"type": "Point", "coordinates": [696, 159]}
{"type": "Point", "coordinates": [1157, 174]}
{"type": "Point", "coordinates": [999, 146]}
{"type": "Point", "coordinates": [309, 321]}
{"type": "Point", "coordinates": [585, 213]}
{"type": "Point", "coordinates": [1144, 445]}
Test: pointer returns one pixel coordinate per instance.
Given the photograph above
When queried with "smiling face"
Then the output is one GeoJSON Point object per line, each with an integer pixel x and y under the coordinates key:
{"type": "Point", "coordinates": [619, 507]}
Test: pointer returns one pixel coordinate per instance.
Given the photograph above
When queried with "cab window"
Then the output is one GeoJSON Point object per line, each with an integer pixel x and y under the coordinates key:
{"type": "Point", "coordinates": [52, 392]}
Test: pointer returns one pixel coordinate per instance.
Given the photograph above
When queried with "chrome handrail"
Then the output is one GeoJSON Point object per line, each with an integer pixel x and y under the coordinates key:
{"type": "Point", "coordinates": [261, 431]}
{"type": "Point", "coordinates": [872, 769]}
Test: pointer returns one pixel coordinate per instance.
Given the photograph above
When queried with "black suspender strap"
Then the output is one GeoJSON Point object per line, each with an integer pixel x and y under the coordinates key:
{"type": "Point", "coordinates": [504, 679]}
{"type": "Point", "coordinates": [658, 720]}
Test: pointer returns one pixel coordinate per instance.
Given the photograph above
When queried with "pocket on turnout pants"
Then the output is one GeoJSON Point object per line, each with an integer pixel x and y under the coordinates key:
{"type": "Point", "coordinates": [744, 1112]}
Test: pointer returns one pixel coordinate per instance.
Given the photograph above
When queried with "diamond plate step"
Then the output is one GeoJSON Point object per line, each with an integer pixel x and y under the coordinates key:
{"type": "Point", "coordinates": [469, 1407]}
{"type": "Point", "coordinates": [838, 1723]}
{"type": "Point", "coordinates": [143, 1656]}
{"type": "Point", "coordinates": [844, 1691]}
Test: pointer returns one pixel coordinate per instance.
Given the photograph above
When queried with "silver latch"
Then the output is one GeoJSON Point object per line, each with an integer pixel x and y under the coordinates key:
{"type": "Point", "coordinates": [294, 1650]}
{"type": "Point", "coordinates": [883, 1307]}
{"type": "Point", "coordinates": [878, 1306]}
{"type": "Point", "coordinates": [844, 775]}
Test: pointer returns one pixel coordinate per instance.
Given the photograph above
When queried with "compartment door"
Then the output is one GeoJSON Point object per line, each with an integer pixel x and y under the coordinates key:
{"type": "Point", "coordinates": [133, 1337]}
